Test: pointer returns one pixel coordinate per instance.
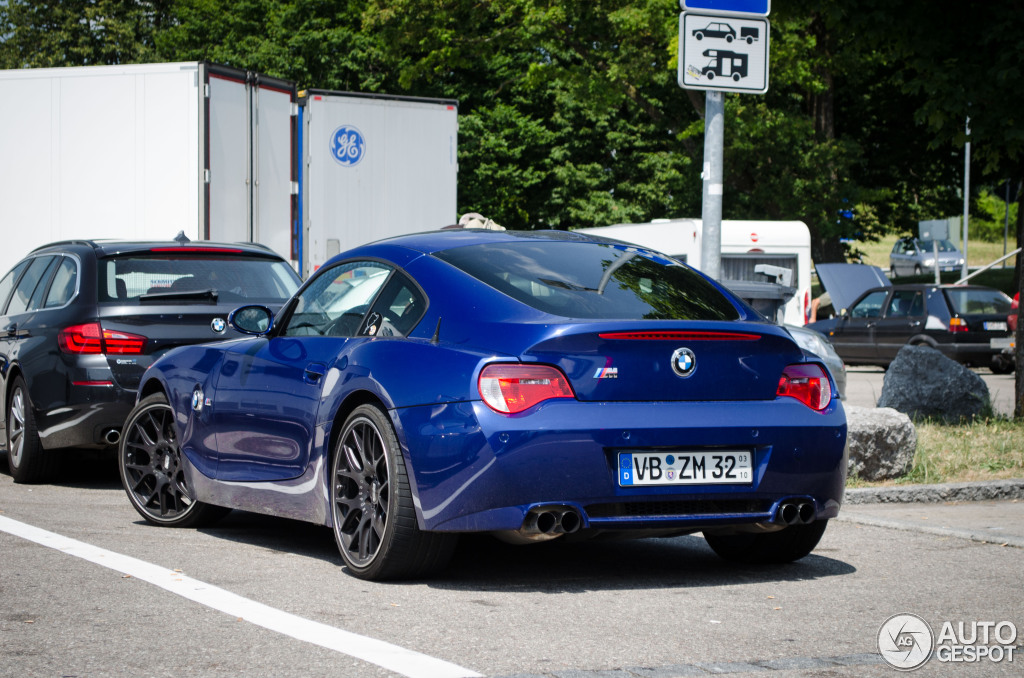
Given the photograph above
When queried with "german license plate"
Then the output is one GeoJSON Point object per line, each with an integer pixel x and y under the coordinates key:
{"type": "Point", "coordinates": [996, 326]}
{"type": "Point", "coordinates": [721, 467]}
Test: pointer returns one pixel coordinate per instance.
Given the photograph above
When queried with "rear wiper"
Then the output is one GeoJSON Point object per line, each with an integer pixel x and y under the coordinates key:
{"type": "Point", "coordinates": [210, 294]}
{"type": "Point", "coordinates": [566, 285]}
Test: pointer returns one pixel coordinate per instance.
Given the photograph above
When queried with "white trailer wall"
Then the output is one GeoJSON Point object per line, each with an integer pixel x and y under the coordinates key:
{"type": "Point", "coordinates": [141, 152]}
{"type": "Point", "coordinates": [98, 152]}
{"type": "Point", "coordinates": [401, 179]}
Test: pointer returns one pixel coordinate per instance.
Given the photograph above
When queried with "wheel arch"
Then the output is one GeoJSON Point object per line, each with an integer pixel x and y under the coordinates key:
{"type": "Point", "coordinates": [149, 387]}
{"type": "Point", "coordinates": [347, 406]}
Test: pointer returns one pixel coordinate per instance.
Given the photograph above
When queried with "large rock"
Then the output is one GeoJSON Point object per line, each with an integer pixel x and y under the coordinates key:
{"type": "Point", "coordinates": [923, 383]}
{"type": "Point", "coordinates": [880, 442]}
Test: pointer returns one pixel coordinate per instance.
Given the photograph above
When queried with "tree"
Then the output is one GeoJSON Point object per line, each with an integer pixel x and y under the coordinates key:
{"type": "Point", "coordinates": [967, 68]}
{"type": "Point", "coordinates": [41, 33]}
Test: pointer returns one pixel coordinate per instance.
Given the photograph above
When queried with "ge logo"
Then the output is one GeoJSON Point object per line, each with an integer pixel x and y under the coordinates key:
{"type": "Point", "coordinates": [348, 145]}
{"type": "Point", "coordinates": [905, 642]}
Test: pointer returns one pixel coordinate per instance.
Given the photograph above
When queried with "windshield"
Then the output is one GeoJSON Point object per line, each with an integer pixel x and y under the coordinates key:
{"type": "Point", "coordinates": [944, 245]}
{"type": "Point", "coordinates": [593, 280]}
{"type": "Point", "coordinates": [146, 278]}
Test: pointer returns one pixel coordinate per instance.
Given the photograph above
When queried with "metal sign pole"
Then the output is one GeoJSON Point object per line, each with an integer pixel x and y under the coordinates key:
{"type": "Point", "coordinates": [711, 208]}
{"type": "Point", "coordinates": [967, 190]}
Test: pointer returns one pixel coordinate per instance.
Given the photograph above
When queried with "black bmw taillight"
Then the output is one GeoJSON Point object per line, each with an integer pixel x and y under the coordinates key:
{"type": "Point", "coordinates": [91, 339]}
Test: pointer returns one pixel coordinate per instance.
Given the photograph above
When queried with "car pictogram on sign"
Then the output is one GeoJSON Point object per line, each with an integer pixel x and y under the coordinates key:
{"type": "Point", "coordinates": [716, 30]}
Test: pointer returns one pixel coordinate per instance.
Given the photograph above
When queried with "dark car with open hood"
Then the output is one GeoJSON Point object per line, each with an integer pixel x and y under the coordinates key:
{"type": "Point", "coordinates": [967, 323]}
{"type": "Point", "coordinates": [81, 320]}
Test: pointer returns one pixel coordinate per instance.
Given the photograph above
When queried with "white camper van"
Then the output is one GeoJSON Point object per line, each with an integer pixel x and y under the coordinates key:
{"type": "Point", "coordinates": [745, 245]}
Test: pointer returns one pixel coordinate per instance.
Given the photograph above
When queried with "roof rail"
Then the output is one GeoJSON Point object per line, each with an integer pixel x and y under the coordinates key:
{"type": "Point", "coordinates": [87, 243]}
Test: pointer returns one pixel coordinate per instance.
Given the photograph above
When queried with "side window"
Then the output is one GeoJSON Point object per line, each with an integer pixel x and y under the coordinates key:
{"type": "Point", "coordinates": [26, 288]}
{"type": "Point", "coordinates": [904, 303]}
{"type": "Point", "coordinates": [870, 306]}
{"type": "Point", "coordinates": [335, 303]}
{"type": "Point", "coordinates": [64, 284]}
{"type": "Point", "coordinates": [44, 283]}
{"type": "Point", "coordinates": [397, 310]}
{"type": "Point", "coordinates": [7, 284]}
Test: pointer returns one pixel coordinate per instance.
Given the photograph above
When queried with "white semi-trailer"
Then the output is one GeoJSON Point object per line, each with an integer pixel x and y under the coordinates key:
{"type": "Point", "coordinates": [374, 166]}
{"type": "Point", "coordinates": [145, 151]}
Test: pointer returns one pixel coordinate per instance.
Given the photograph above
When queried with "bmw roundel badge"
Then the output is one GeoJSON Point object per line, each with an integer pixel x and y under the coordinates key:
{"type": "Point", "coordinates": [218, 325]}
{"type": "Point", "coordinates": [684, 362]}
{"type": "Point", "coordinates": [197, 398]}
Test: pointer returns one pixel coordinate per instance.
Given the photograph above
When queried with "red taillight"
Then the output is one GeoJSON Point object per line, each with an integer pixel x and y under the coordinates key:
{"type": "Point", "coordinates": [90, 339]}
{"type": "Point", "coordinates": [511, 389]}
{"type": "Point", "coordinates": [807, 383]}
{"type": "Point", "coordinates": [957, 325]}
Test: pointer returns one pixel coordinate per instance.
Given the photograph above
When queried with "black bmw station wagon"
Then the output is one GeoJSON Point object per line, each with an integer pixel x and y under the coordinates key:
{"type": "Point", "coordinates": [81, 320]}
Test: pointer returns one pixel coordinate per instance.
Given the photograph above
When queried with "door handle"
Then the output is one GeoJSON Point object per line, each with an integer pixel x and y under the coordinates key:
{"type": "Point", "coordinates": [314, 372]}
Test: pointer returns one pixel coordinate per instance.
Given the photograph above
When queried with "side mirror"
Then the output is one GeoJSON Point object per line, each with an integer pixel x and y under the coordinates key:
{"type": "Point", "coordinates": [254, 320]}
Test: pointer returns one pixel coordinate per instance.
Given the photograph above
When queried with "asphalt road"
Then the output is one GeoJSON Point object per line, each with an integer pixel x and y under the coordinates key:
{"type": "Point", "coordinates": [864, 387]}
{"type": "Point", "coordinates": [259, 596]}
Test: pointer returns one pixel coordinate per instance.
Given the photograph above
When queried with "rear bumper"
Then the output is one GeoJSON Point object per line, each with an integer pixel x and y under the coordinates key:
{"type": "Point", "coordinates": [970, 353]}
{"type": "Point", "coordinates": [475, 470]}
{"type": "Point", "coordinates": [90, 413]}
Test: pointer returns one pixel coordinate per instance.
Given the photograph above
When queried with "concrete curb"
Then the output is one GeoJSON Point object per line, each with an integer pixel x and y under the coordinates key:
{"type": "Point", "coordinates": [972, 535]}
{"type": "Point", "coordinates": [989, 490]}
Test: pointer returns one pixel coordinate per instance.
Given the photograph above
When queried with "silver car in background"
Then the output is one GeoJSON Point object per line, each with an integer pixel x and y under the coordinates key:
{"type": "Point", "coordinates": [913, 256]}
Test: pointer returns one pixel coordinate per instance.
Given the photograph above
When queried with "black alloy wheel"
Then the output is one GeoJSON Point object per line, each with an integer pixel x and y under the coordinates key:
{"type": "Point", "coordinates": [149, 460]}
{"type": "Point", "coordinates": [372, 510]}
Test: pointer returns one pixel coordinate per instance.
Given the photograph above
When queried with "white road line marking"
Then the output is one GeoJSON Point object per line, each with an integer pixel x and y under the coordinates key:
{"type": "Point", "coordinates": [392, 657]}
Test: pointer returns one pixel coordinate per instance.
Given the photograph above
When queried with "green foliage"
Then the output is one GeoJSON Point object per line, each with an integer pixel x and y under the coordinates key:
{"type": "Point", "coordinates": [988, 218]}
{"type": "Point", "coordinates": [571, 116]}
{"type": "Point", "coordinates": [46, 33]}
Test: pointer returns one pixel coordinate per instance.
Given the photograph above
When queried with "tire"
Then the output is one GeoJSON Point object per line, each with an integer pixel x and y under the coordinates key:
{"type": "Point", "coordinates": [1001, 365]}
{"type": "Point", "coordinates": [149, 460]}
{"type": "Point", "coordinates": [784, 546]}
{"type": "Point", "coordinates": [28, 461]}
{"type": "Point", "coordinates": [698, 35]}
{"type": "Point", "coordinates": [371, 504]}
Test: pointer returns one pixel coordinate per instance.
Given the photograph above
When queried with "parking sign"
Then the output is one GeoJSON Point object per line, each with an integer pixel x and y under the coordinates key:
{"type": "Point", "coordinates": [725, 53]}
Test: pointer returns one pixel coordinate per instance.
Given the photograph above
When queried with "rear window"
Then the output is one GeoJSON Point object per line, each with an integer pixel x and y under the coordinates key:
{"type": "Point", "coordinates": [593, 280]}
{"type": "Point", "coordinates": [975, 301]}
{"type": "Point", "coordinates": [147, 278]}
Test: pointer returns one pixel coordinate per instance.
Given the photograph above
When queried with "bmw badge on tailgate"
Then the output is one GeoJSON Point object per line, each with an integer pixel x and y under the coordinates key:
{"type": "Point", "coordinates": [684, 362]}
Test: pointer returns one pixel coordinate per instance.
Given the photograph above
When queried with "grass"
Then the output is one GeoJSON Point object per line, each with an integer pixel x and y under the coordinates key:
{"type": "Point", "coordinates": [992, 449]}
